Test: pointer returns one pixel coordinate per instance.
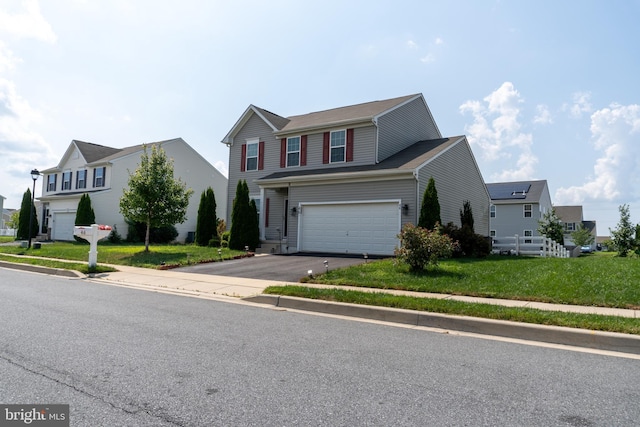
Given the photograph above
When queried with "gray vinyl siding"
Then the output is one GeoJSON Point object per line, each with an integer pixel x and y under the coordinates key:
{"type": "Point", "coordinates": [276, 213]}
{"type": "Point", "coordinates": [254, 128]}
{"type": "Point", "coordinates": [457, 179]}
{"type": "Point", "coordinates": [404, 190]}
{"type": "Point", "coordinates": [510, 220]}
{"type": "Point", "coordinates": [403, 127]}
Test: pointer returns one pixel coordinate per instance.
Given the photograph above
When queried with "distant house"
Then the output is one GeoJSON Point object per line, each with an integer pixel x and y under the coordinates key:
{"type": "Point", "coordinates": [103, 173]}
{"type": "Point", "coordinates": [572, 219]}
{"type": "Point", "coordinates": [345, 180]}
{"type": "Point", "coordinates": [516, 207]}
{"type": "Point", "coordinates": [3, 220]}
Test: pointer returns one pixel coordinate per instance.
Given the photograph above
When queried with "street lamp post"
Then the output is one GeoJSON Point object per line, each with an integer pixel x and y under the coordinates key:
{"type": "Point", "coordinates": [34, 175]}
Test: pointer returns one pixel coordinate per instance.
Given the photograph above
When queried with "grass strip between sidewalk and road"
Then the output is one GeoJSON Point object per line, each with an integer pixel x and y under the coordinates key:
{"type": "Point", "coordinates": [41, 262]}
{"type": "Point", "coordinates": [488, 311]}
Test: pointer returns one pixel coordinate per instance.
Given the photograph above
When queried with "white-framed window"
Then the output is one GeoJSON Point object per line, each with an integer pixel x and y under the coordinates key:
{"type": "Point", "coordinates": [492, 211]}
{"type": "Point", "coordinates": [528, 234]}
{"type": "Point", "coordinates": [81, 179]}
{"type": "Point", "coordinates": [528, 211]}
{"type": "Point", "coordinates": [492, 233]}
{"type": "Point", "coordinates": [66, 180]}
{"type": "Point", "coordinates": [98, 177]}
{"type": "Point", "coordinates": [293, 151]}
{"type": "Point", "coordinates": [252, 156]}
{"type": "Point", "coordinates": [338, 146]}
{"type": "Point", "coordinates": [51, 182]}
{"type": "Point", "coordinates": [570, 226]}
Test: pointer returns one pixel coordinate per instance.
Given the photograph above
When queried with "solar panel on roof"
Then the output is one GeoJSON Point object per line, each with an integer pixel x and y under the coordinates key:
{"type": "Point", "coordinates": [508, 190]}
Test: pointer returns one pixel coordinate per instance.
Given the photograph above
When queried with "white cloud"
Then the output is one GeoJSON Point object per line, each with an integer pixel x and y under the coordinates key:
{"type": "Point", "coordinates": [412, 45]}
{"type": "Point", "coordinates": [8, 61]}
{"type": "Point", "coordinates": [428, 58]}
{"type": "Point", "coordinates": [222, 167]}
{"type": "Point", "coordinates": [581, 105]}
{"type": "Point", "coordinates": [616, 133]}
{"type": "Point", "coordinates": [28, 23]}
{"type": "Point", "coordinates": [543, 115]}
{"type": "Point", "coordinates": [438, 40]}
{"type": "Point", "coordinates": [496, 130]}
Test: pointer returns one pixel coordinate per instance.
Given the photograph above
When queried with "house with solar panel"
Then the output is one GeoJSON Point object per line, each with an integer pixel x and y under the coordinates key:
{"type": "Point", "coordinates": [516, 207]}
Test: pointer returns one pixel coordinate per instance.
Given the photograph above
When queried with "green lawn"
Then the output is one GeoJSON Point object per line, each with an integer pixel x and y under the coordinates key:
{"type": "Point", "coordinates": [127, 254]}
{"type": "Point", "coordinates": [6, 239]}
{"type": "Point", "coordinates": [595, 280]}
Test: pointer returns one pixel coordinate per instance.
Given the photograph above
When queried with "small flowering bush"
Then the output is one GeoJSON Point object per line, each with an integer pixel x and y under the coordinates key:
{"type": "Point", "coordinates": [420, 247]}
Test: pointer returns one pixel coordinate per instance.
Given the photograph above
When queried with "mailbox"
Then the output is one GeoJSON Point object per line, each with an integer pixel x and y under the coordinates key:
{"type": "Point", "coordinates": [92, 234]}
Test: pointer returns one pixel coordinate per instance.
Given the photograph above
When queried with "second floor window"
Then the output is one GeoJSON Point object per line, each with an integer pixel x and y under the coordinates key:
{"type": "Point", "coordinates": [338, 146]}
{"type": "Point", "coordinates": [51, 182]}
{"type": "Point", "coordinates": [81, 179]}
{"type": "Point", "coordinates": [66, 180]}
{"type": "Point", "coordinates": [293, 151]}
{"type": "Point", "coordinates": [528, 211]}
{"type": "Point", "coordinates": [98, 177]}
{"type": "Point", "coordinates": [492, 211]}
{"type": "Point", "coordinates": [570, 226]}
{"type": "Point", "coordinates": [252, 156]}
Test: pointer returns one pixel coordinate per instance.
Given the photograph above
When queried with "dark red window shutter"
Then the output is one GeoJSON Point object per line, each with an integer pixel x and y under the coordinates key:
{"type": "Point", "coordinates": [283, 152]}
{"type": "Point", "coordinates": [325, 148]}
{"type": "Point", "coordinates": [303, 150]}
{"type": "Point", "coordinates": [349, 145]}
{"type": "Point", "coordinates": [261, 155]}
{"type": "Point", "coordinates": [243, 161]}
{"type": "Point", "coordinates": [266, 213]}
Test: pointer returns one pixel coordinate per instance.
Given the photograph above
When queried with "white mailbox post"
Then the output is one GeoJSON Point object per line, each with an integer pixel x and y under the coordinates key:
{"type": "Point", "coordinates": [92, 234]}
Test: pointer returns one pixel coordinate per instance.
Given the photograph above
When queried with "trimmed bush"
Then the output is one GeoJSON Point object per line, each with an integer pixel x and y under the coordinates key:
{"type": "Point", "coordinates": [421, 248]}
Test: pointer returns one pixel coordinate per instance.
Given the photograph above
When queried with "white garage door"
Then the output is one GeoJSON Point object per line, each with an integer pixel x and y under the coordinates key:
{"type": "Point", "coordinates": [349, 228]}
{"type": "Point", "coordinates": [63, 226]}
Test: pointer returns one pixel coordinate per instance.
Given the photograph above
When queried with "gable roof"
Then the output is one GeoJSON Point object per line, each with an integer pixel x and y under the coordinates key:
{"type": "Point", "coordinates": [93, 152]}
{"type": "Point", "coordinates": [569, 213]}
{"type": "Point", "coordinates": [404, 162]}
{"type": "Point", "coordinates": [516, 192]}
{"type": "Point", "coordinates": [341, 116]}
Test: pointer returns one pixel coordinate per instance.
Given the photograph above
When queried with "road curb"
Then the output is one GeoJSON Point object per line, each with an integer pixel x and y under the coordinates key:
{"type": "Point", "coordinates": [609, 341]}
{"type": "Point", "coordinates": [43, 270]}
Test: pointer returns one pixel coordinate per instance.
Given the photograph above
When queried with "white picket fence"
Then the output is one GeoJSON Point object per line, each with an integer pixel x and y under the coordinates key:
{"type": "Point", "coordinates": [532, 246]}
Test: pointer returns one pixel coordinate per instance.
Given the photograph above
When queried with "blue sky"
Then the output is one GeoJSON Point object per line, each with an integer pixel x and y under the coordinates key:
{"type": "Point", "coordinates": [542, 89]}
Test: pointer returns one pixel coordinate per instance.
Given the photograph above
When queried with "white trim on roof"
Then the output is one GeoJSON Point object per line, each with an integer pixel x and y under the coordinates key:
{"type": "Point", "coordinates": [228, 138]}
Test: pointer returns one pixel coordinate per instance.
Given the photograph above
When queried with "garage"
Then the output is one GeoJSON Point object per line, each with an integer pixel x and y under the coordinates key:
{"type": "Point", "coordinates": [63, 223]}
{"type": "Point", "coordinates": [349, 228]}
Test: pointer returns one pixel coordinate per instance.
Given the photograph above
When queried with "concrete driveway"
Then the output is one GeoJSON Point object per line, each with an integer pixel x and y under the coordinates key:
{"type": "Point", "coordinates": [288, 268]}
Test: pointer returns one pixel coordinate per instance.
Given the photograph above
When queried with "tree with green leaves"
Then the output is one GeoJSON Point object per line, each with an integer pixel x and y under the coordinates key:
{"type": "Point", "coordinates": [14, 222]}
{"type": "Point", "coordinates": [206, 224]}
{"type": "Point", "coordinates": [244, 220]}
{"type": "Point", "coordinates": [466, 215]}
{"type": "Point", "coordinates": [154, 197]}
{"type": "Point", "coordinates": [582, 236]}
{"type": "Point", "coordinates": [430, 209]}
{"type": "Point", "coordinates": [84, 214]}
{"type": "Point", "coordinates": [551, 227]}
{"type": "Point", "coordinates": [622, 236]}
{"type": "Point", "coordinates": [27, 212]}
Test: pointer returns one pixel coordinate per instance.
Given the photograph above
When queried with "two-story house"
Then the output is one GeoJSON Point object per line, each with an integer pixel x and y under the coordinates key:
{"type": "Point", "coordinates": [516, 207]}
{"type": "Point", "coordinates": [346, 180]}
{"type": "Point", "coordinates": [572, 218]}
{"type": "Point", "coordinates": [103, 173]}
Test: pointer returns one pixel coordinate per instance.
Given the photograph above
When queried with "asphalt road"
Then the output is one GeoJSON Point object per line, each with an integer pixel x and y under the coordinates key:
{"type": "Point", "coordinates": [124, 357]}
{"type": "Point", "coordinates": [288, 268]}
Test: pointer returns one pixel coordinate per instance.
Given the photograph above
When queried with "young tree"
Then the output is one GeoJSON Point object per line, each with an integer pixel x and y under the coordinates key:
{"type": "Point", "coordinates": [582, 236]}
{"type": "Point", "coordinates": [154, 196]}
{"type": "Point", "coordinates": [14, 222]}
{"type": "Point", "coordinates": [622, 236]}
{"type": "Point", "coordinates": [206, 224]}
{"type": "Point", "coordinates": [430, 209]}
{"type": "Point", "coordinates": [466, 215]}
{"type": "Point", "coordinates": [243, 219]}
{"type": "Point", "coordinates": [84, 214]}
{"type": "Point", "coordinates": [27, 212]}
{"type": "Point", "coordinates": [551, 227]}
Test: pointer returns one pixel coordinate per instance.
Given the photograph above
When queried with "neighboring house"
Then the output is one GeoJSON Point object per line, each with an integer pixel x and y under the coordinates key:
{"type": "Point", "coordinates": [516, 207]}
{"type": "Point", "coordinates": [103, 173]}
{"type": "Point", "coordinates": [572, 218]}
{"type": "Point", "coordinates": [345, 180]}
{"type": "Point", "coordinates": [4, 219]}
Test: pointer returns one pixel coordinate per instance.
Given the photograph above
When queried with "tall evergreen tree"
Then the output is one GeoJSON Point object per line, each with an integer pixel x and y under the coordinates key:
{"type": "Point", "coordinates": [430, 209]}
{"type": "Point", "coordinates": [154, 197]}
{"type": "Point", "coordinates": [84, 214]}
{"type": "Point", "coordinates": [27, 211]}
{"type": "Point", "coordinates": [253, 228]}
{"type": "Point", "coordinates": [206, 225]}
{"type": "Point", "coordinates": [466, 215]}
{"type": "Point", "coordinates": [242, 221]}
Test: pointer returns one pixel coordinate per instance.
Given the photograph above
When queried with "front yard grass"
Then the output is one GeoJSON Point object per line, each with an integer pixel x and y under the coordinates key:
{"type": "Point", "coordinates": [128, 253]}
